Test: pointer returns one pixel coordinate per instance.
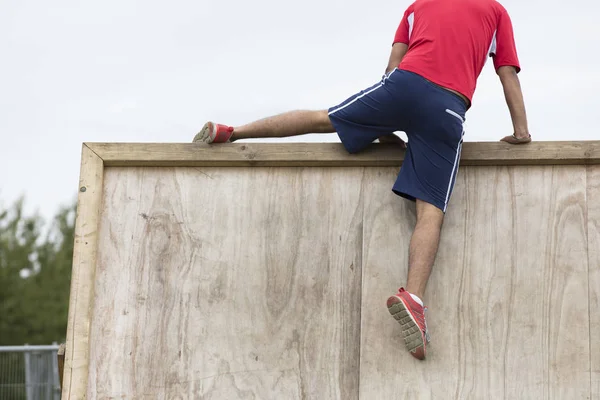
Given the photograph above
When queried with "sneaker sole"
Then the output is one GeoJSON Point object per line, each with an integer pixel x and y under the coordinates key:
{"type": "Point", "coordinates": [413, 337]}
{"type": "Point", "coordinates": [204, 135]}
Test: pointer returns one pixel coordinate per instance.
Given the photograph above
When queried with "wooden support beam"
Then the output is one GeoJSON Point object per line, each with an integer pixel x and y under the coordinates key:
{"type": "Point", "coordinates": [60, 358]}
{"type": "Point", "coordinates": [333, 154]}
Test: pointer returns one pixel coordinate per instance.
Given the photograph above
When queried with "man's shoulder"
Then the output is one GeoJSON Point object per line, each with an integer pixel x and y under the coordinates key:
{"type": "Point", "coordinates": [494, 4]}
{"type": "Point", "coordinates": [498, 6]}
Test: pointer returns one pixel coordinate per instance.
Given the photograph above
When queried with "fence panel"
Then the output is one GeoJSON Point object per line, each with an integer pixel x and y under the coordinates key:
{"type": "Point", "coordinates": [29, 373]}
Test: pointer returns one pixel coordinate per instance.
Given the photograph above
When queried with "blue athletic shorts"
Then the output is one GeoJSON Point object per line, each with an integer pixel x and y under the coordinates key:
{"type": "Point", "coordinates": [432, 119]}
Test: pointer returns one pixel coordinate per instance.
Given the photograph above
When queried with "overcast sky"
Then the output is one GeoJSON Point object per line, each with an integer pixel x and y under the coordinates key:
{"type": "Point", "coordinates": [155, 71]}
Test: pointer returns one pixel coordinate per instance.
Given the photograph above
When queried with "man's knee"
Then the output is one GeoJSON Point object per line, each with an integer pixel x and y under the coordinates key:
{"type": "Point", "coordinates": [428, 213]}
{"type": "Point", "coordinates": [324, 123]}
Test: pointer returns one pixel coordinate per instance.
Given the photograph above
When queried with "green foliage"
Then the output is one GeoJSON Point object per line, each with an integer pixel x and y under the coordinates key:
{"type": "Point", "coordinates": [35, 274]}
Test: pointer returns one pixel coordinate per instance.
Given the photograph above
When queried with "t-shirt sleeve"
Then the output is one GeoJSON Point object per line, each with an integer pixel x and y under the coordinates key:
{"type": "Point", "coordinates": [503, 49]}
{"type": "Point", "coordinates": [405, 28]}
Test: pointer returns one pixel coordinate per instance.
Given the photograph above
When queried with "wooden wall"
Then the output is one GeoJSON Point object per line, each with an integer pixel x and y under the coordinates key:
{"type": "Point", "coordinates": [271, 282]}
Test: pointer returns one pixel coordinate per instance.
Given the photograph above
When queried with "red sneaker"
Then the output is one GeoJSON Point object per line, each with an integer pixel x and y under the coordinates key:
{"type": "Point", "coordinates": [411, 316]}
{"type": "Point", "coordinates": [214, 133]}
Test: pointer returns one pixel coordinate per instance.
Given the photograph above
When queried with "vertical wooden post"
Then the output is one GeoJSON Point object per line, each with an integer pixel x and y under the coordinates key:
{"type": "Point", "coordinates": [82, 279]}
{"type": "Point", "coordinates": [60, 358]}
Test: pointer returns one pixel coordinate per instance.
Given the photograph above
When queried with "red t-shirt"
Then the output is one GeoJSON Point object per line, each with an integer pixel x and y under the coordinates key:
{"type": "Point", "coordinates": [449, 41]}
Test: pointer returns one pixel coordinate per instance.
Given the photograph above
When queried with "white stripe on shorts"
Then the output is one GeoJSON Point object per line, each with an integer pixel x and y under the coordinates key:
{"type": "Point", "coordinates": [353, 100]}
{"type": "Point", "coordinates": [457, 158]}
{"type": "Point", "coordinates": [364, 94]}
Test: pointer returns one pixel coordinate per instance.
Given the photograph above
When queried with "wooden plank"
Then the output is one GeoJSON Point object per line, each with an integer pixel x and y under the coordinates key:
{"type": "Point", "coordinates": [593, 203]}
{"type": "Point", "coordinates": [333, 154]}
{"type": "Point", "coordinates": [60, 359]}
{"type": "Point", "coordinates": [507, 300]}
{"type": "Point", "coordinates": [82, 278]}
{"type": "Point", "coordinates": [228, 284]}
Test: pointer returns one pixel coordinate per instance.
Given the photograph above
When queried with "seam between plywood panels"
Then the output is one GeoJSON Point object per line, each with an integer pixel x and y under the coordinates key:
{"type": "Point", "coordinates": [593, 258]}
{"type": "Point", "coordinates": [83, 273]}
{"type": "Point", "coordinates": [589, 292]}
{"type": "Point", "coordinates": [362, 279]}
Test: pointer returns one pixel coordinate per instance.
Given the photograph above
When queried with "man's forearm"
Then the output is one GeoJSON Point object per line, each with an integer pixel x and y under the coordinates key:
{"type": "Point", "coordinates": [514, 100]}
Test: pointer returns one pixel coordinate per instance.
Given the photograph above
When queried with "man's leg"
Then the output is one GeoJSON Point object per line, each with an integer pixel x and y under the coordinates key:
{"type": "Point", "coordinates": [290, 123]}
{"type": "Point", "coordinates": [358, 123]}
{"type": "Point", "coordinates": [407, 305]}
{"type": "Point", "coordinates": [423, 247]}
{"type": "Point", "coordinates": [427, 176]}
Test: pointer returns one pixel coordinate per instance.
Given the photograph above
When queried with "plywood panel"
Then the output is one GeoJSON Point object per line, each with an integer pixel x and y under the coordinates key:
{"type": "Point", "coordinates": [507, 300]}
{"type": "Point", "coordinates": [228, 284]}
{"type": "Point", "coordinates": [593, 202]}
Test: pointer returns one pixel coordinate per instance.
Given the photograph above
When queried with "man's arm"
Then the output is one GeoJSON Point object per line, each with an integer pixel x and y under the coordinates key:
{"type": "Point", "coordinates": [516, 105]}
{"type": "Point", "coordinates": [398, 52]}
{"type": "Point", "coordinates": [401, 39]}
{"type": "Point", "coordinates": [506, 63]}
{"type": "Point", "coordinates": [399, 49]}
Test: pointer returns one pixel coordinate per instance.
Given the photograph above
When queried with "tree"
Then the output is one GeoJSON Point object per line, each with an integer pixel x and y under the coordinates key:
{"type": "Point", "coordinates": [35, 274]}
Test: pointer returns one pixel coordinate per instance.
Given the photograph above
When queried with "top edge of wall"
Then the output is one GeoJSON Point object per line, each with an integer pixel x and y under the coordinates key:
{"type": "Point", "coordinates": [334, 154]}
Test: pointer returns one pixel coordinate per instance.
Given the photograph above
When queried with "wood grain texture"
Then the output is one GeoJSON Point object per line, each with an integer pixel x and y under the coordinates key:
{"type": "Point", "coordinates": [260, 283]}
{"type": "Point", "coordinates": [333, 154]}
{"type": "Point", "coordinates": [228, 284]}
{"type": "Point", "coordinates": [508, 298]}
{"type": "Point", "coordinates": [593, 202]}
{"type": "Point", "coordinates": [82, 277]}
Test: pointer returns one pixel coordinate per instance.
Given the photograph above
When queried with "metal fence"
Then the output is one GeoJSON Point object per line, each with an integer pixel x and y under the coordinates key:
{"type": "Point", "coordinates": [29, 373]}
